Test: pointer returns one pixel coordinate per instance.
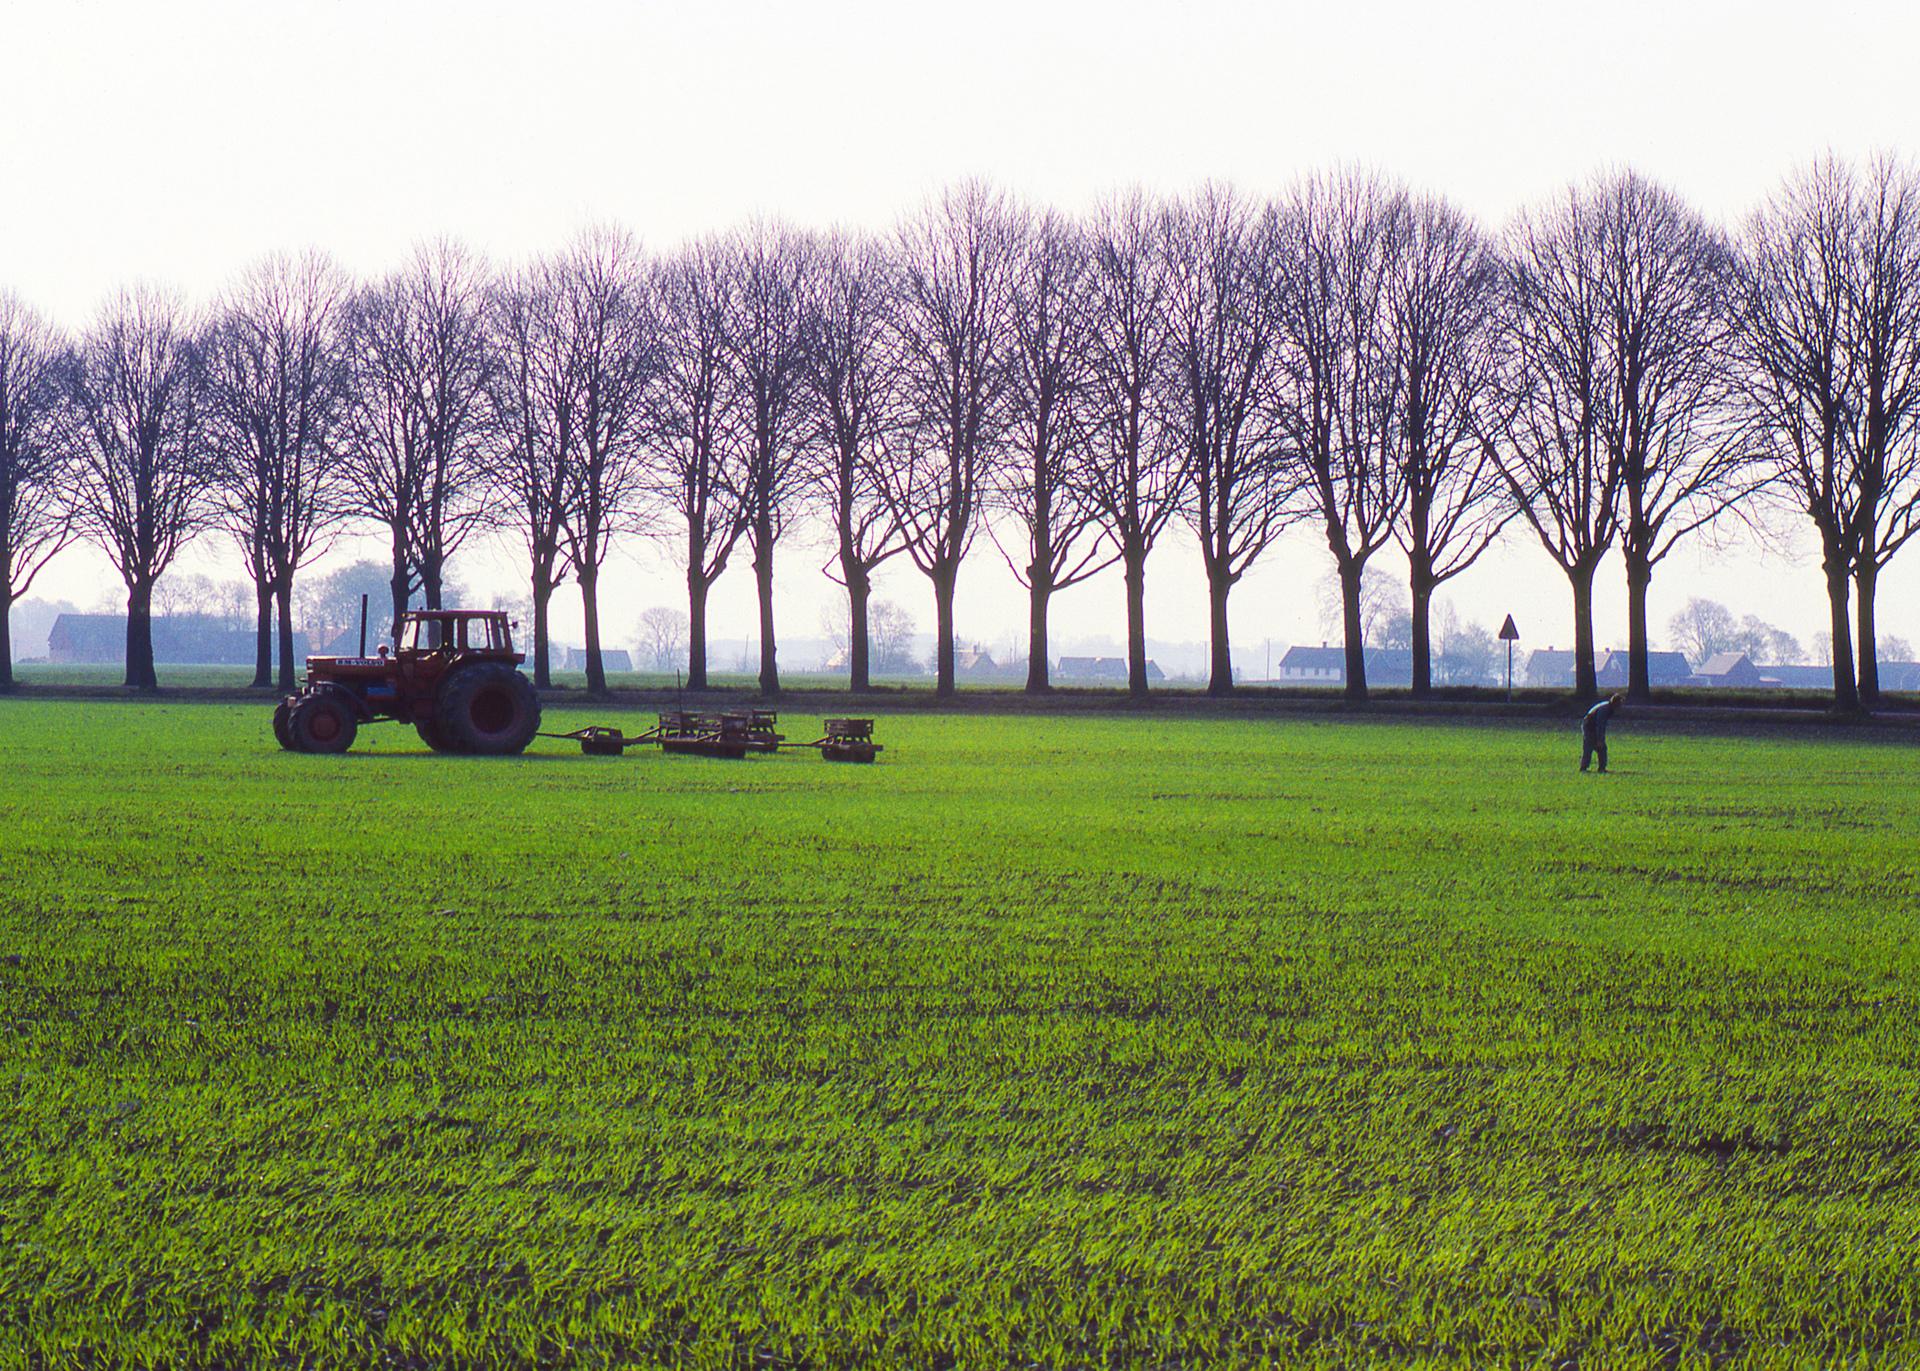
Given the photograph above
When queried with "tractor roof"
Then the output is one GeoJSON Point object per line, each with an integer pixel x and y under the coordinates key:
{"type": "Point", "coordinates": [454, 614]}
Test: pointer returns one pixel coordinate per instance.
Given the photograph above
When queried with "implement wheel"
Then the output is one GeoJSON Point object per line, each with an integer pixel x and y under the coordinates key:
{"type": "Point", "coordinates": [322, 723]}
{"type": "Point", "coordinates": [282, 734]}
{"type": "Point", "coordinates": [488, 709]}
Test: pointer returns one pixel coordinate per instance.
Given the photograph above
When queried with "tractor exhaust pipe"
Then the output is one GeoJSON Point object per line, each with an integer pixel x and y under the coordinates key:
{"type": "Point", "coordinates": [363, 625]}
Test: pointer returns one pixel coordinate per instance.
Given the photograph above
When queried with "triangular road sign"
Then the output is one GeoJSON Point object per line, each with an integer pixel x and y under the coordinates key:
{"type": "Point", "coordinates": [1509, 631]}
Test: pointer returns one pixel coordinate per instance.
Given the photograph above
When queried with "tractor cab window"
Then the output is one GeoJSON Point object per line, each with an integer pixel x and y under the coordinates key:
{"type": "Point", "coordinates": [429, 635]}
{"type": "Point", "coordinates": [479, 635]}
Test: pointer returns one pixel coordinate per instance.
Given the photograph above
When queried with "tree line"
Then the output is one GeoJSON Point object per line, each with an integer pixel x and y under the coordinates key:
{"type": "Point", "coordinates": [1611, 370]}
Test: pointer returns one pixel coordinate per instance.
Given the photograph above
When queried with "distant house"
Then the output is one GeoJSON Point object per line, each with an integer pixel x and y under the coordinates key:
{"type": "Point", "coordinates": [88, 638]}
{"type": "Point", "coordinates": [1323, 666]}
{"type": "Point", "coordinates": [974, 663]}
{"type": "Point", "coordinates": [1663, 669]}
{"type": "Point", "coordinates": [1327, 666]}
{"type": "Point", "coordinates": [1389, 666]}
{"type": "Point", "coordinates": [1797, 677]}
{"type": "Point", "coordinates": [1901, 676]}
{"type": "Point", "coordinates": [178, 639]}
{"type": "Point", "coordinates": [611, 659]}
{"type": "Point", "coordinates": [1100, 671]}
{"type": "Point", "coordinates": [1728, 669]}
{"type": "Point", "coordinates": [1550, 667]}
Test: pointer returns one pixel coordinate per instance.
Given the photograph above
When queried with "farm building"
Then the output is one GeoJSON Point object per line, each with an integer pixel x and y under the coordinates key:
{"type": "Point", "coordinates": [1549, 666]}
{"type": "Point", "coordinates": [1321, 665]}
{"type": "Point", "coordinates": [1731, 669]}
{"type": "Point", "coordinates": [1100, 671]}
{"type": "Point", "coordinates": [611, 659]}
{"type": "Point", "coordinates": [1553, 667]}
{"type": "Point", "coordinates": [1327, 666]}
{"type": "Point", "coordinates": [197, 639]}
{"type": "Point", "coordinates": [1663, 669]}
{"type": "Point", "coordinates": [975, 664]}
{"type": "Point", "coordinates": [1900, 676]}
{"type": "Point", "coordinates": [1797, 677]}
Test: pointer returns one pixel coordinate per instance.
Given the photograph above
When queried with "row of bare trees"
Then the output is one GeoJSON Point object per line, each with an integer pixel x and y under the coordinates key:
{"type": "Point", "coordinates": [1613, 371]}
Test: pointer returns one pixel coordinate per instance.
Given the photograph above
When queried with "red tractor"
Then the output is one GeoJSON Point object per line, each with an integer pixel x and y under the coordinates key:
{"type": "Point", "coordinates": [453, 675]}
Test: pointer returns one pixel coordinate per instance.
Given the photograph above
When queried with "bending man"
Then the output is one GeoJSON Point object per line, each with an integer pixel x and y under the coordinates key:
{"type": "Point", "coordinates": [1593, 730]}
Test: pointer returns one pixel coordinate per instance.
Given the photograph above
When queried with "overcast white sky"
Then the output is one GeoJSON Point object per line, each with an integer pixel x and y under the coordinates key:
{"type": "Point", "coordinates": [178, 141]}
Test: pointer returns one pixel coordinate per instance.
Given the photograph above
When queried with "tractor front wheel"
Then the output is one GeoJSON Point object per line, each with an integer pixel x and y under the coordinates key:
{"type": "Point", "coordinates": [322, 723]}
{"type": "Point", "coordinates": [282, 713]}
{"type": "Point", "coordinates": [488, 709]}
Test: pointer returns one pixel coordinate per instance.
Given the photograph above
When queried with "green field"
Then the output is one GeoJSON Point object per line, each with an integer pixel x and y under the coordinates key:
{"type": "Point", "coordinates": [1055, 1041]}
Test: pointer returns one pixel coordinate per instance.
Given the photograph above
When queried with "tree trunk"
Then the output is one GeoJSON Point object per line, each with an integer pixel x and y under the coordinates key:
{"type": "Point", "coordinates": [697, 587]}
{"type": "Point", "coordinates": [432, 572]}
{"type": "Point", "coordinates": [1639, 679]}
{"type": "Point", "coordinates": [1867, 650]}
{"type": "Point", "coordinates": [859, 591]}
{"type": "Point", "coordinates": [6, 625]}
{"type": "Point", "coordinates": [397, 583]}
{"type": "Point", "coordinates": [262, 635]}
{"type": "Point", "coordinates": [943, 579]}
{"type": "Point", "coordinates": [1846, 694]}
{"type": "Point", "coordinates": [1220, 649]}
{"type": "Point", "coordinates": [1037, 597]}
{"type": "Point", "coordinates": [1585, 685]}
{"type": "Point", "coordinates": [590, 607]}
{"type": "Point", "coordinates": [283, 595]}
{"type": "Point", "coordinates": [1135, 576]}
{"type": "Point", "coordinates": [1355, 635]}
{"type": "Point", "coordinates": [1420, 587]}
{"type": "Point", "coordinates": [763, 583]}
{"type": "Point", "coordinates": [542, 652]}
{"type": "Point", "coordinates": [140, 675]}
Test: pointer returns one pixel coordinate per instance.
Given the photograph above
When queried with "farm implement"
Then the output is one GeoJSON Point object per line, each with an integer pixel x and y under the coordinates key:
{"type": "Point", "coordinates": [731, 735]}
{"type": "Point", "coordinates": [453, 675]}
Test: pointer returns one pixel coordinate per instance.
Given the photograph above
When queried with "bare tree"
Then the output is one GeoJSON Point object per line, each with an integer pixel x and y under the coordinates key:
{"type": "Point", "coordinates": [139, 392]}
{"type": "Point", "coordinates": [1441, 309]}
{"type": "Point", "coordinates": [1665, 299]}
{"type": "Point", "coordinates": [952, 329]}
{"type": "Point", "coordinates": [1339, 382]}
{"type": "Point", "coordinates": [419, 419]}
{"type": "Point", "coordinates": [535, 405]}
{"type": "Point", "coordinates": [1883, 337]}
{"type": "Point", "coordinates": [1703, 628]}
{"type": "Point", "coordinates": [893, 629]}
{"type": "Point", "coordinates": [603, 303]}
{"type": "Point", "coordinates": [36, 457]}
{"type": "Point", "coordinates": [852, 395]}
{"type": "Point", "coordinates": [765, 332]}
{"type": "Point", "coordinates": [694, 456]}
{"type": "Point", "coordinates": [276, 373]}
{"type": "Point", "coordinates": [1221, 297]}
{"type": "Point", "coordinates": [1041, 481]}
{"type": "Point", "coordinates": [1554, 396]}
{"type": "Point", "coordinates": [1799, 375]}
{"type": "Point", "coordinates": [1134, 468]}
{"type": "Point", "coordinates": [663, 638]}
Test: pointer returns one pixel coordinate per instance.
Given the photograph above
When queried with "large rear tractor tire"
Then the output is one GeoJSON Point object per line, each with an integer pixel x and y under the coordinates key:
{"type": "Point", "coordinates": [430, 734]}
{"type": "Point", "coordinates": [282, 734]}
{"type": "Point", "coordinates": [322, 722]}
{"type": "Point", "coordinates": [488, 709]}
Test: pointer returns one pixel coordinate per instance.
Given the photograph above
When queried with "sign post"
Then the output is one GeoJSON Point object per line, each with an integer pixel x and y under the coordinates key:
{"type": "Point", "coordinates": [1510, 634]}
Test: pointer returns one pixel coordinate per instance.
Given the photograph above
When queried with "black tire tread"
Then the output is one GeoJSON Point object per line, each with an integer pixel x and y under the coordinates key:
{"type": "Point", "coordinates": [453, 710]}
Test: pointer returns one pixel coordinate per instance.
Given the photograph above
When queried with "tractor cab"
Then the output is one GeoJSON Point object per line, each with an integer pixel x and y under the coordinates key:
{"type": "Point", "coordinates": [469, 632]}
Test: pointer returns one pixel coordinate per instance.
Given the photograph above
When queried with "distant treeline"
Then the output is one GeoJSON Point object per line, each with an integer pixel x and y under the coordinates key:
{"type": "Point", "coordinates": [1610, 371]}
